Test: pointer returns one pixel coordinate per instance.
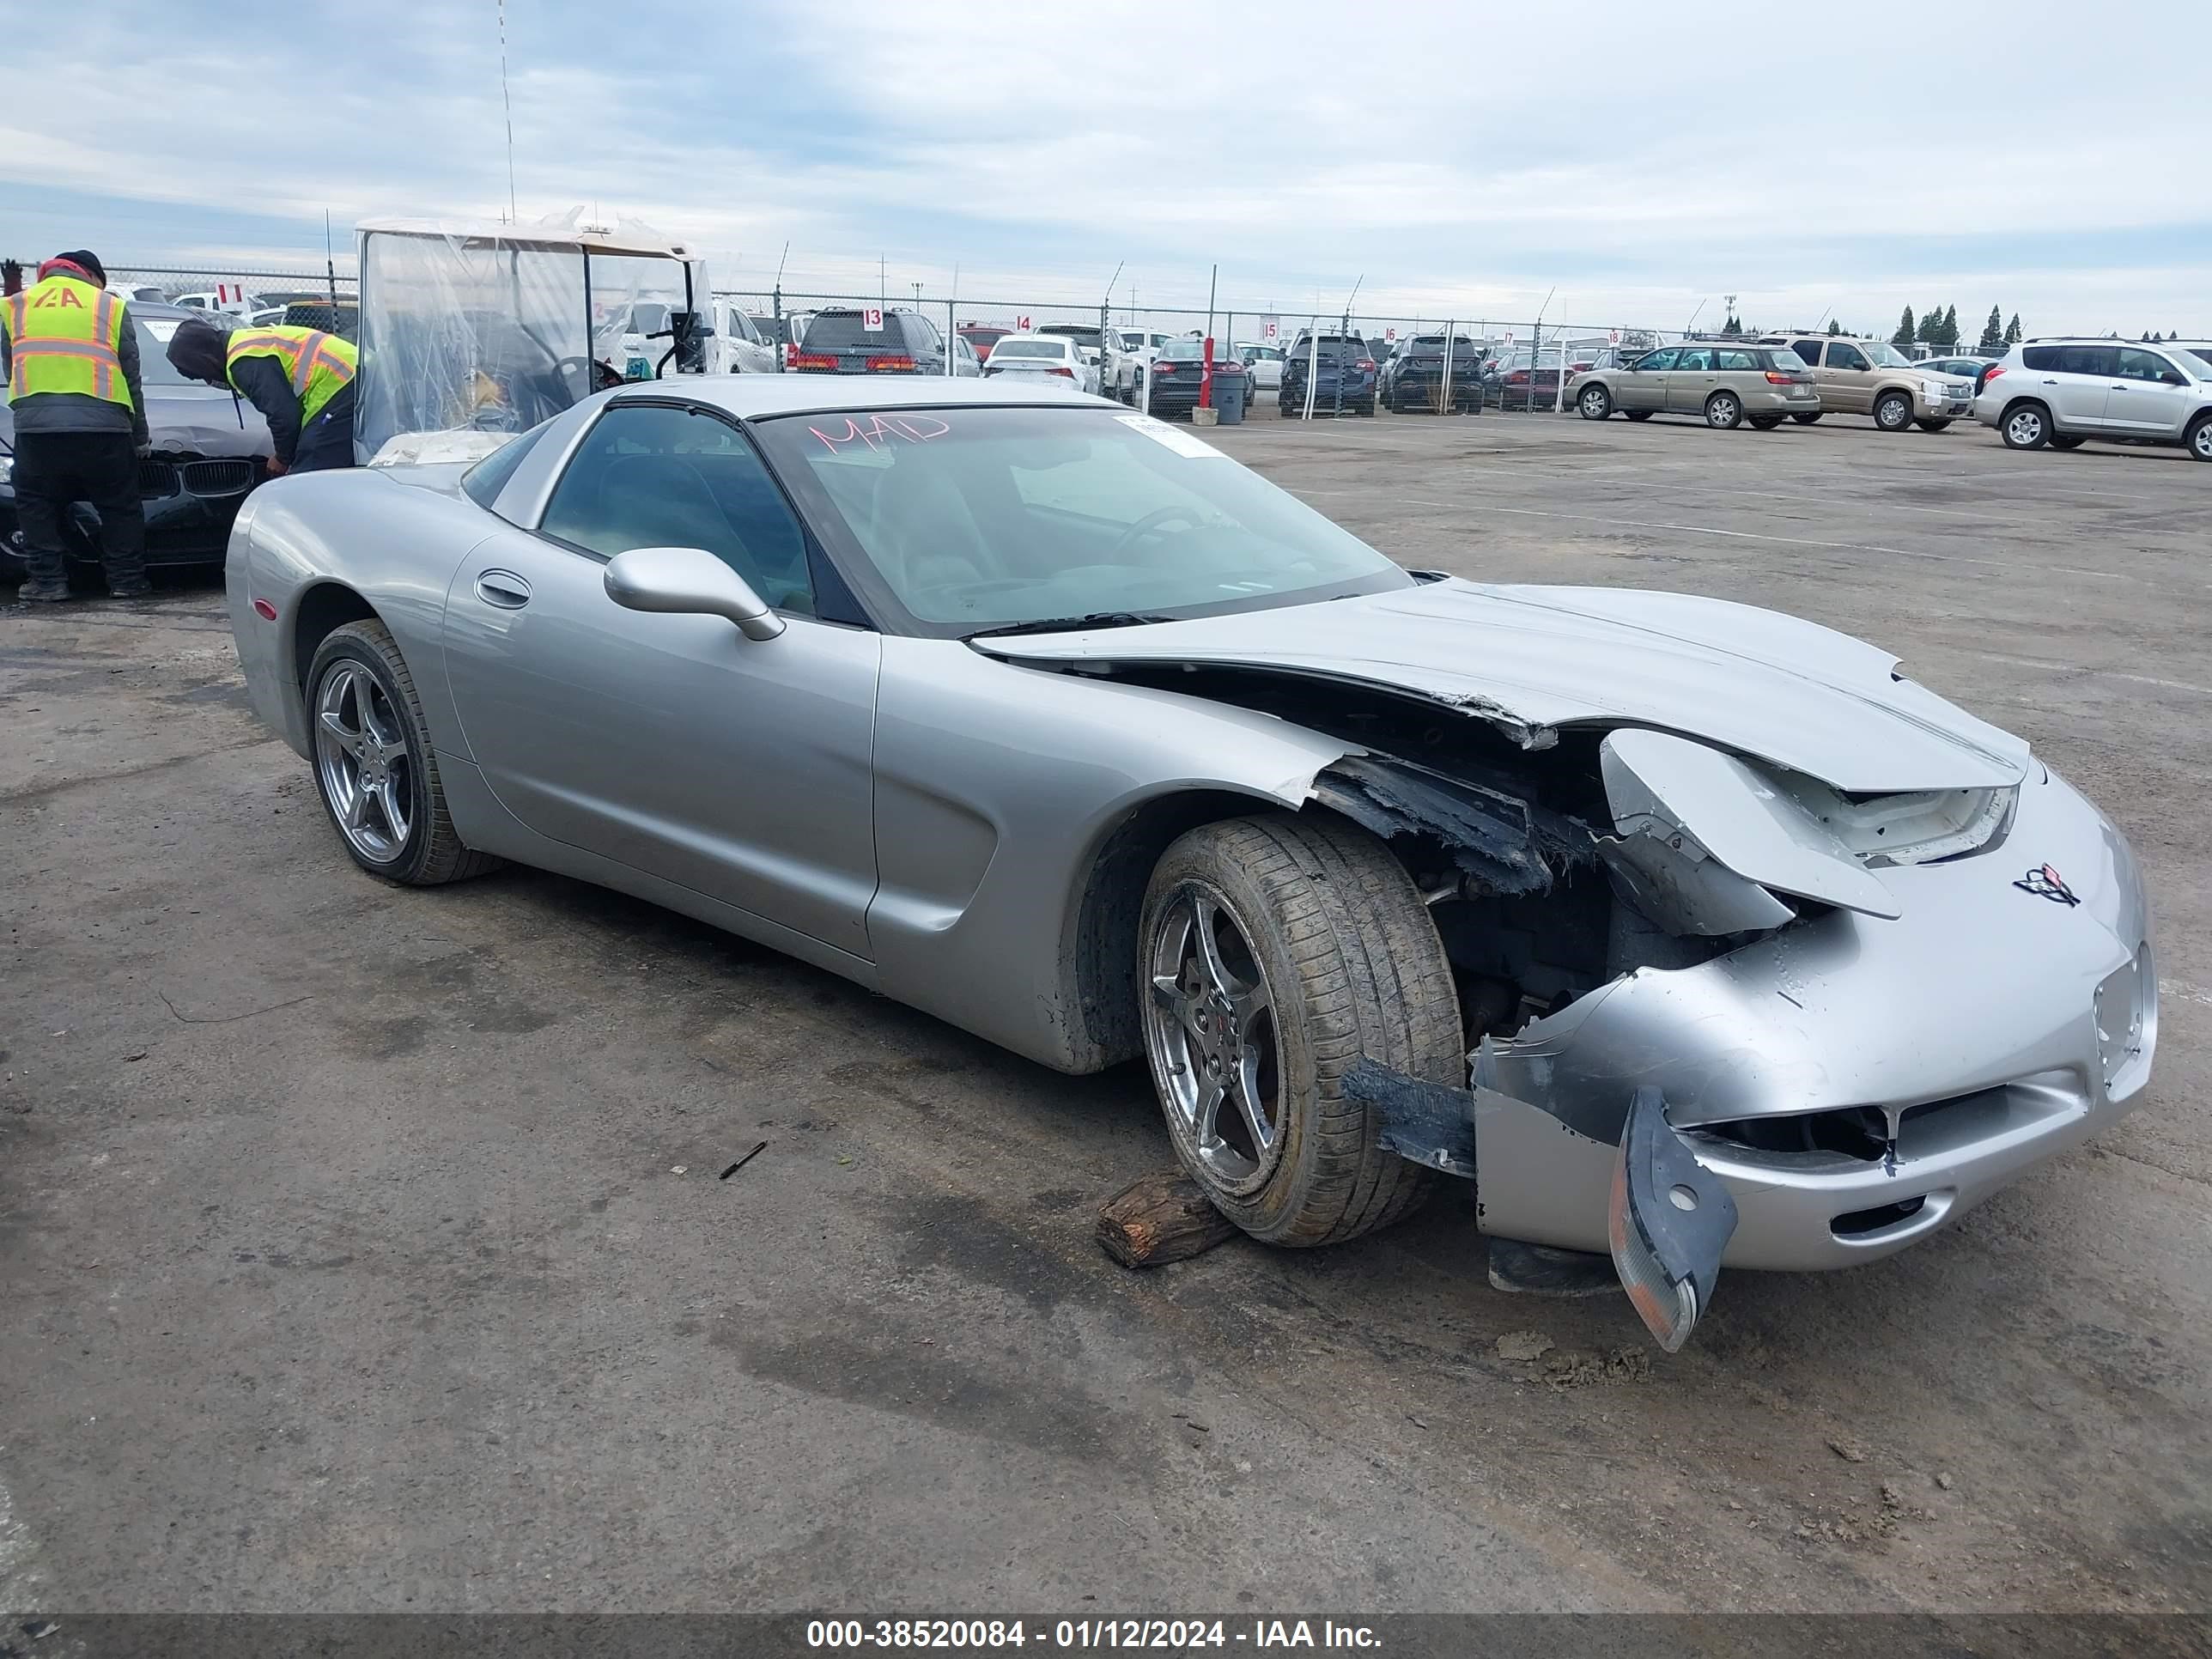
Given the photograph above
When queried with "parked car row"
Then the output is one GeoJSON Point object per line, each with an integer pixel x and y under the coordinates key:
{"type": "Point", "coordinates": [1761, 383]}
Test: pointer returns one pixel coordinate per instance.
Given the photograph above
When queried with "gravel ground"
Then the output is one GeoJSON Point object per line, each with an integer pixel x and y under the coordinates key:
{"type": "Point", "coordinates": [363, 1250]}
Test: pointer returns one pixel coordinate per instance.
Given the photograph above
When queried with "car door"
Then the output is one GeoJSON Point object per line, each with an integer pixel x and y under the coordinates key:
{"type": "Point", "coordinates": [2148, 396]}
{"type": "Point", "coordinates": [1691, 380]}
{"type": "Point", "coordinates": [1642, 385]}
{"type": "Point", "coordinates": [740, 769]}
{"type": "Point", "coordinates": [2080, 386]}
{"type": "Point", "coordinates": [1846, 379]}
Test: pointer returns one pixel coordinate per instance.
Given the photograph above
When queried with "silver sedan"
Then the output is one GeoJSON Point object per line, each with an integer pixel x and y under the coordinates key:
{"type": "Point", "coordinates": [1682, 933]}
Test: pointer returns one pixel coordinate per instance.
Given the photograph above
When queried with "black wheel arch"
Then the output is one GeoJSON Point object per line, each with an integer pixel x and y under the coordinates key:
{"type": "Point", "coordinates": [1099, 933]}
{"type": "Point", "coordinates": [319, 612]}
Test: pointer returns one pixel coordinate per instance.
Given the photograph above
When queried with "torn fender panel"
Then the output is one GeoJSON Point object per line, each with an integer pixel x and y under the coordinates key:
{"type": "Point", "coordinates": [1505, 844]}
{"type": "Point", "coordinates": [1675, 801]}
{"type": "Point", "coordinates": [1426, 1123]}
{"type": "Point", "coordinates": [1530, 661]}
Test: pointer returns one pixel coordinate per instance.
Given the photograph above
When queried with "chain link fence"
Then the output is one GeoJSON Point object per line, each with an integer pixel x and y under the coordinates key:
{"type": "Point", "coordinates": [1527, 362]}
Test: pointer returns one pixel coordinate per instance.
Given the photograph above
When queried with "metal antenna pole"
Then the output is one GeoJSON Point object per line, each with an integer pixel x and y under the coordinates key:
{"type": "Point", "coordinates": [507, 104]}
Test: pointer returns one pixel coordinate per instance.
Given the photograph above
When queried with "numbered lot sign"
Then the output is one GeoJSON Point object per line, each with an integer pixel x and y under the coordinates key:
{"type": "Point", "coordinates": [872, 319]}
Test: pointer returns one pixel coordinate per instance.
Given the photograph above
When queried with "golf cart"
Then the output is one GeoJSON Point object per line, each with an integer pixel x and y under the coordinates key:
{"type": "Point", "coordinates": [471, 332]}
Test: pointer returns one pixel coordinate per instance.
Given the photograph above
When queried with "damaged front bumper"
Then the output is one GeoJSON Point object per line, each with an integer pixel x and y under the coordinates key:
{"type": "Point", "coordinates": [2007, 1013]}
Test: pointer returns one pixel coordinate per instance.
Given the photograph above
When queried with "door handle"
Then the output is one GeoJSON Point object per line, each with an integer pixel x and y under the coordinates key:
{"type": "Point", "coordinates": [503, 588]}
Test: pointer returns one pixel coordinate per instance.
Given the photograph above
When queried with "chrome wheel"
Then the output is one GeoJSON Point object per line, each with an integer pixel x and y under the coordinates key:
{"type": "Point", "coordinates": [362, 760]}
{"type": "Point", "coordinates": [2024, 429]}
{"type": "Point", "coordinates": [1894, 414]}
{"type": "Point", "coordinates": [1595, 406]}
{"type": "Point", "coordinates": [1723, 412]}
{"type": "Point", "coordinates": [1210, 1024]}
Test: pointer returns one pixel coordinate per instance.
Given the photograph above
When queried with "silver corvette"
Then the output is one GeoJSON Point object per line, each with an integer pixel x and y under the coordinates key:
{"type": "Point", "coordinates": [1689, 935]}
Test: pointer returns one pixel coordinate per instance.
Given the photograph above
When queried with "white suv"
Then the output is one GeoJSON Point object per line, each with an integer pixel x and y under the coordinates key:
{"type": "Point", "coordinates": [2065, 392]}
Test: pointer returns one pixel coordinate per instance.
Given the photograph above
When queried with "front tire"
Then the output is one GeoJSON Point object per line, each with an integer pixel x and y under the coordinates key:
{"type": "Point", "coordinates": [1595, 402]}
{"type": "Point", "coordinates": [1892, 411]}
{"type": "Point", "coordinates": [2026, 426]}
{"type": "Point", "coordinates": [1276, 951]}
{"type": "Point", "coordinates": [1723, 412]}
{"type": "Point", "coordinates": [2199, 438]}
{"type": "Point", "coordinates": [375, 766]}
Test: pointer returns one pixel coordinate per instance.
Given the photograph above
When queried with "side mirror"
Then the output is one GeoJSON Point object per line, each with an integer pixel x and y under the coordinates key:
{"type": "Point", "coordinates": [688, 582]}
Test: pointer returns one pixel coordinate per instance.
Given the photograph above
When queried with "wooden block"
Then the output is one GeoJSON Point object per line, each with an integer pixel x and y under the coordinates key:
{"type": "Point", "coordinates": [1165, 1216]}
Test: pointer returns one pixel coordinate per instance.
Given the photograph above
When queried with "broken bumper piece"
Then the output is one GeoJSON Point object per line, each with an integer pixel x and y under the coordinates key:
{"type": "Point", "coordinates": [1856, 1082]}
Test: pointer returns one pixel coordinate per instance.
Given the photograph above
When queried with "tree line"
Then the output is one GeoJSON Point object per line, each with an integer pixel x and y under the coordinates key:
{"type": "Point", "coordinates": [1938, 330]}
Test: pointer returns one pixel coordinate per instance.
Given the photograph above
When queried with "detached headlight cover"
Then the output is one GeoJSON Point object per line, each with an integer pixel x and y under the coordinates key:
{"type": "Point", "coordinates": [1669, 1221]}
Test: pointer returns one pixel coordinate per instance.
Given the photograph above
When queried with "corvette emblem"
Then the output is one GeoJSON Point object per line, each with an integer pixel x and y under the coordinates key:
{"type": "Point", "coordinates": [2045, 882]}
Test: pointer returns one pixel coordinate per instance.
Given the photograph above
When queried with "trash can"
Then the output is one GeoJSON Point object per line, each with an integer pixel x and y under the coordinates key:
{"type": "Point", "coordinates": [1229, 396]}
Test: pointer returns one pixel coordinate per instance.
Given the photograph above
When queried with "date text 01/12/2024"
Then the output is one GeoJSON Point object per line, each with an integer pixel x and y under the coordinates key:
{"type": "Point", "coordinates": [1164, 1635]}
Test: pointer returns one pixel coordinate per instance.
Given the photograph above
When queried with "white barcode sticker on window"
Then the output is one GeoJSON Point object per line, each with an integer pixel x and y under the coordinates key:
{"type": "Point", "coordinates": [1174, 438]}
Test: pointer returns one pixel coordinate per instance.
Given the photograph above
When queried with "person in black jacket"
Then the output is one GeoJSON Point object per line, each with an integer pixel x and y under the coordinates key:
{"type": "Point", "coordinates": [76, 443]}
{"type": "Point", "coordinates": [309, 431]}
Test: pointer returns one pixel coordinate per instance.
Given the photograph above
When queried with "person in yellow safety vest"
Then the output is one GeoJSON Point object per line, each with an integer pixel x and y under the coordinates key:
{"type": "Point", "coordinates": [300, 379]}
{"type": "Point", "coordinates": [69, 351]}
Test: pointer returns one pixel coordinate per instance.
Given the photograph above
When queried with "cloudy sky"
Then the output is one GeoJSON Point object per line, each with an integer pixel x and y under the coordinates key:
{"type": "Point", "coordinates": [1640, 160]}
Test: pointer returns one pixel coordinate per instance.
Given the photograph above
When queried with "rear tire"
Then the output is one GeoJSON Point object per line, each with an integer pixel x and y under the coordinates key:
{"type": "Point", "coordinates": [1595, 403]}
{"type": "Point", "coordinates": [375, 768]}
{"type": "Point", "coordinates": [1932, 425]}
{"type": "Point", "coordinates": [1765, 423]}
{"type": "Point", "coordinates": [2026, 426]}
{"type": "Point", "coordinates": [1326, 954]}
{"type": "Point", "coordinates": [1808, 418]}
{"type": "Point", "coordinates": [1724, 411]}
{"type": "Point", "coordinates": [1892, 411]}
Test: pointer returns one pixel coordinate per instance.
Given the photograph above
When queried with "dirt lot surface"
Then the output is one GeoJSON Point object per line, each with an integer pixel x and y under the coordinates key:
{"type": "Point", "coordinates": [364, 1249]}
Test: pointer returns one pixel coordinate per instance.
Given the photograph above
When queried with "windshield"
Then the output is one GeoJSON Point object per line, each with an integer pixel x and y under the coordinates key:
{"type": "Point", "coordinates": [153, 366]}
{"type": "Point", "coordinates": [2197, 359]}
{"type": "Point", "coordinates": [975, 517]}
{"type": "Point", "coordinates": [1887, 356]}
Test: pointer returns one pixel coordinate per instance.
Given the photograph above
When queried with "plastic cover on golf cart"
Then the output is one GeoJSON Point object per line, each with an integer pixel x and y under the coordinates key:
{"type": "Point", "coordinates": [487, 328]}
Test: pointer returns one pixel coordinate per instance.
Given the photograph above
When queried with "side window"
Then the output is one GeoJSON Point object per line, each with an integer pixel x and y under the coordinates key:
{"type": "Point", "coordinates": [1737, 360]}
{"type": "Point", "coordinates": [1841, 355]}
{"type": "Point", "coordinates": [2043, 357]}
{"type": "Point", "coordinates": [653, 475]}
{"type": "Point", "coordinates": [2101, 361]}
{"type": "Point", "coordinates": [1695, 360]}
{"type": "Point", "coordinates": [1807, 351]}
{"type": "Point", "coordinates": [483, 481]}
{"type": "Point", "coordinates": [1656, 362]}
{"type": "Point", "coordinates": [2136, 364]}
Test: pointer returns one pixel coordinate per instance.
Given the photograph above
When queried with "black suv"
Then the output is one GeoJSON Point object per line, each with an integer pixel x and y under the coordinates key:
{"type": "Point", "coordinates": [1413, 379]}
{"type": "Point", "coordinates": [842, 342]}
{"type": "Point", "coordinates": [1344, 375]}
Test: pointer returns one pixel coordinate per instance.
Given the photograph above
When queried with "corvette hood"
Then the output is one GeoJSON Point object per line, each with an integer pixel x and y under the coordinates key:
{"type": "Point", "coordinates": [1531, 660]}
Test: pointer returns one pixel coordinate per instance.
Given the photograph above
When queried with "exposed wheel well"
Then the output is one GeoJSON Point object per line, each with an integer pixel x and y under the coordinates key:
{"type": "Point", "coordinates": [1102, 943]}
{"type": "Point", "coordinates": [320, 611]}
